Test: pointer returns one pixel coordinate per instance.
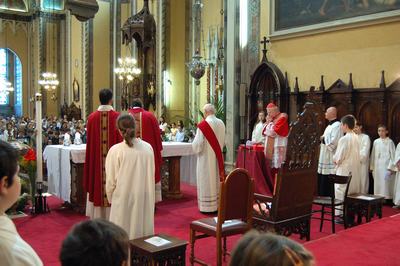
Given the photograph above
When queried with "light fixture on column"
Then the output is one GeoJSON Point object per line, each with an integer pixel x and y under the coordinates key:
{"type": "Point", "coordinates": [127, 69]}
{"type": "Point", "coordinates": [5, 86]}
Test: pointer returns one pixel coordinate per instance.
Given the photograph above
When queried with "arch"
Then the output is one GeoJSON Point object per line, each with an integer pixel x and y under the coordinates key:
{"type": "Point", "coordinates": [12, 66]}
{"type": "Point", "coordinates": [369, 119]}
{"type": "Point", "coordinates": [267, 84]}
{"type": "Point", "coordinates": [394, 130]}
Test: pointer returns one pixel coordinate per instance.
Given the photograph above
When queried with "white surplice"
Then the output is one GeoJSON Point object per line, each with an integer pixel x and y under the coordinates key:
{"type": "Point", "coordinates": [365, 146]}
{"type": "Point", "coordinates": [257, 135]}
{"type": "Point", "coordinates": [130, 187]}
{"type": "Point", "coordinates": [382, 154]}
{"type": "Point", "coordinates": [395, 166]}
{"type": "Point", "coordinates": [332, 134]}
{"type": "Point", "coordinates": [13, 249]}
{"type": "Point", "coordinates": [347, 160]}
{"type": "Point", "coordinates": [207, 166]}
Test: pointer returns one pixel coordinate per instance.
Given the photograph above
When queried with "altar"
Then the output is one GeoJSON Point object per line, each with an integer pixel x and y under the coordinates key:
{"type": "Point", "coordinates": [65, 170]}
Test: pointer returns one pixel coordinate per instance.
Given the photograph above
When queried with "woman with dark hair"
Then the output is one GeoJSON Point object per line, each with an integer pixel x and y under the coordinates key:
{"type": "Point", "coordinates": [255, 249]}
{"type": "Point", "coordinates": [13, 249]}
{"type": "Point", "coordinates": [130, 184]}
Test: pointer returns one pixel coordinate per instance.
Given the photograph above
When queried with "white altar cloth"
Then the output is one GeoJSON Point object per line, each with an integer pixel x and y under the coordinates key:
{"type": "Point", "coordinates": [58, 164]}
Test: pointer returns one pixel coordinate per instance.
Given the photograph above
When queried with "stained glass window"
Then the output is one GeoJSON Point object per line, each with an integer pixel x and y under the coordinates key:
{"type": "Point", "coordinates": [3, 75]}
{"type": "Point", "coordinates": [52, 4]}
{"type": "Point", "coordinates": [18, 86]}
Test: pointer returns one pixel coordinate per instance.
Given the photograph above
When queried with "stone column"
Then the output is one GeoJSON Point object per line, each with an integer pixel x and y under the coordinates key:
{"type": "Point", "coordinates": [232, 80]}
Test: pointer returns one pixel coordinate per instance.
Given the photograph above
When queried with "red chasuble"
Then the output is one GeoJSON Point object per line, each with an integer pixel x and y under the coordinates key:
{"type": "Point", "coordinates": [281, 126]}
{"type": "Point", "coordinates": [213, 141]}
{"type": "Point", "coordinates": [102, 134]}
{"type": "Point", "coordinates": [147, 129]}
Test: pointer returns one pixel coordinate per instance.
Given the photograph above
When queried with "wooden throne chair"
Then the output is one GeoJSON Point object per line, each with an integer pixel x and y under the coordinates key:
{"type": "Point", "coordinates": [289, 210]}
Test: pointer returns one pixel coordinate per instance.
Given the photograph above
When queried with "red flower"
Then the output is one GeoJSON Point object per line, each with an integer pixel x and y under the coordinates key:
{"type": "Point", "coordinates": [30, 155]}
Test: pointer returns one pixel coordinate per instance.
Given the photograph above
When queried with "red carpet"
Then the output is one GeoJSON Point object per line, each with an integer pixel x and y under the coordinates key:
{"type": "Point", "coordinates": [375, 243]}
{"type": "Point", "coordinates": [46, 232]}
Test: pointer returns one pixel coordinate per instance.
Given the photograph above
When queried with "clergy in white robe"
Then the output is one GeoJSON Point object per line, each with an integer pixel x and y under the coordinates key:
{"type": "Point", "coordinates": [257, 134]}
{"type": "Point", "coordinates": [130, 187]}
{"type": "Point", "coordinates": [208, 173]}
{"type": "Point", "coordinates": [365, 146]}
{"type": "Point", "coordinates": [13, 249]}
{"type": "Point", "coordinates": [347, 160]}
{"type": "Point", "coordinates": [396, 167]}
{"type": "Point", "coordinates": [329, 142]}
{"type": "Point", "coordinates": [383, 151]}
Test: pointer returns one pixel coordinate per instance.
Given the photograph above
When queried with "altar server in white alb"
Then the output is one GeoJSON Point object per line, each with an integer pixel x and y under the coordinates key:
{"type": "Point", "coordinates": [130, 184]}
{"type": "Point", "coordinates": [365, 145]}
{"type": "Point", "coordinates": [383, 151]}
{"type": "Point", "coordinates": [257, 136]}
{"type": "Point", "coordinates": [396, 168]}
{"type": "Point", "coordinates": [13, 249]}
{"type": "Point", "coordinates": [347, 158]}
{"type": "Point", "coordinates": [208, 143]}
{"type": "Point", "coordinates": [329, 142]}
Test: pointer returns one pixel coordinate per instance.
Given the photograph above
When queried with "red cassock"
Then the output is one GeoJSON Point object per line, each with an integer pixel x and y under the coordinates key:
{"type": "Point", "coordinates": [149, 131]}
{"type": "Point", "coordinates": [102, 134]}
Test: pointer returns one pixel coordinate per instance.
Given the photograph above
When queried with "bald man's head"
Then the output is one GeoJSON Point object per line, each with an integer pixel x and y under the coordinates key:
{"type": "Point", "coordinates": [331, 113]}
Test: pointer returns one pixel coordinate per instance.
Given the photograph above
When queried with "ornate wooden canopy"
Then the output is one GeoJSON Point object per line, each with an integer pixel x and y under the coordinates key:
{"type": "Point", "coordinates": [82, 9]}
{"type": "Point", "coordinates": [141, 27]}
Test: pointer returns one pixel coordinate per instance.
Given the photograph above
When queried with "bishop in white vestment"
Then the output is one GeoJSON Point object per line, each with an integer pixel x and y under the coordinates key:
{"type": "Point", "coordinates": [347, 160]}
{"type": "Point", "coordinates": [396, 167]}
{"type": "Point", "coordinates": [130, 187]}
{"type": "Point", "coordinates": [208, 174]}
{"type": "Point", "coordinates": [383, 151]}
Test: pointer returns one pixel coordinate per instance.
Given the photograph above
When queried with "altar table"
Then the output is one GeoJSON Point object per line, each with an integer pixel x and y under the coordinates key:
{"type": "Point", "coordinates": [62, 160]}
{"type": "Point", "coordinates": [258, 167]}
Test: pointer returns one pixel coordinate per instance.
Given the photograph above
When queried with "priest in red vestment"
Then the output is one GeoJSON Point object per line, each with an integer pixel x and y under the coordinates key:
{"type": "Point", "coordinates": [102, 133]}
{"type": "Point", "coordinates": [276, 132]}
{"type": "Point", "coordinates": [147, 129]}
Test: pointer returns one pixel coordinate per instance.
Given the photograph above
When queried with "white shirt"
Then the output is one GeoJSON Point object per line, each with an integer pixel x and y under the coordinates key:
{"type": "Point", "coordinates": [13, 249]}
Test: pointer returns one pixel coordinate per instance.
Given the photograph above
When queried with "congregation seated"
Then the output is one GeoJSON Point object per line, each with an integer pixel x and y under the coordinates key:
{"type": "Point", "coordinates": [95, 242]}
{"type": "Point", "coordinates": [23, 129]}
{"type": "Point", "coordinates": [263, 249]}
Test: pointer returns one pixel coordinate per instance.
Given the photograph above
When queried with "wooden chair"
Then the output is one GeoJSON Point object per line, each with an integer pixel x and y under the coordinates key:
{"type": "Point", "coordinates": [234, 214]}
{"type": "Point", "coordinates": [333, 203]}
{"type": "Point", "coordinates": [289, 210]}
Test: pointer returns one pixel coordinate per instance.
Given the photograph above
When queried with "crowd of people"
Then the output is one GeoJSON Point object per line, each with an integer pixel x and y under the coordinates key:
{"type": "Point", "coordinates": [54, 130]}
{"type": "Point", "coordinates": [176, 131]}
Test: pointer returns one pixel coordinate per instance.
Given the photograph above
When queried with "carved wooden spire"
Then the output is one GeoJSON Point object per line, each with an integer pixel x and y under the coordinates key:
{"type": "Point", "coordinates": [287, 86]}
{"type": "Point", "coordinates": [322, 84]}
{"type": "Point", "coordinates": [382, 84]}
{"type": "Point", "coordinates": [296, 86]}
{"type": "Point", "coordinates": [351, 86]}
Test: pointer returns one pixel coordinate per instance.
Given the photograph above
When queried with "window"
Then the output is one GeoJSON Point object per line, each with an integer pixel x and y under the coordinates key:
{"type": "Point", "coordinates": [52, 4]}
{"type": "Point", "coordinates": [18, 86]}
{"type": "Point", "coordinates": [14, 5]}
{"type": "Point", "coordinates": [11, 70]}
{"type": "Point", "coordinates": [3, 75]}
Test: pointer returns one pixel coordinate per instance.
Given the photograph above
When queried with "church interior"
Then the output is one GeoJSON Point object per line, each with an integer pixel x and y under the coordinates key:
{"type": "Point", "coordinates": [315, 63]}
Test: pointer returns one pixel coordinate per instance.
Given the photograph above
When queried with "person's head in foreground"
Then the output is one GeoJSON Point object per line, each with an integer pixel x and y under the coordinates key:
{"type": "Point", "coordinates": [95, 242]}
{"type": "Point", "coordinates": [10, 186]}
{"type": "Point", "coordinates": [255, 249]}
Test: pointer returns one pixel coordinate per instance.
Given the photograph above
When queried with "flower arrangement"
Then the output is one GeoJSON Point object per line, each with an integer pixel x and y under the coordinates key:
{"type": "Point", "coordinates": [28, 165]}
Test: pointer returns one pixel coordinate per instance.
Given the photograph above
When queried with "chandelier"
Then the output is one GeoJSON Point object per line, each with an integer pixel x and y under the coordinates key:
{"type": "Point", "coordinates": [5, 86]}
{"type": "Point", "coordinates": [197, 67]}
{"type": "Point", "coordinates": [49, 81]}
{"type": "Point", "coordinates": [127, 69]}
